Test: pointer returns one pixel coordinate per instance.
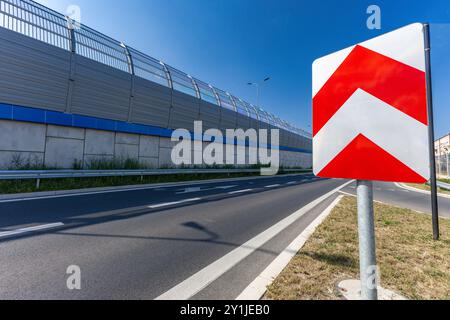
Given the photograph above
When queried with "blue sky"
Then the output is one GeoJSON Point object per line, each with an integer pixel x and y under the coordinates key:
{"type": "Point", "coordinates": [231, 42]}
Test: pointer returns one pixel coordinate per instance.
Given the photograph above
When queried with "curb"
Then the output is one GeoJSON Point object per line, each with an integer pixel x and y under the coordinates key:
{"type": "Point", "coordinates": [403, 186]}
{"type": "Point", "coordinates": [257, 289]}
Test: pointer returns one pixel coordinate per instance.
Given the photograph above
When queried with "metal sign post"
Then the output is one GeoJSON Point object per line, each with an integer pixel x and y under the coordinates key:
{"type": "Point", "coordinates": [367, 251]}
{"type": "Point", "coordinates": [433, 182]}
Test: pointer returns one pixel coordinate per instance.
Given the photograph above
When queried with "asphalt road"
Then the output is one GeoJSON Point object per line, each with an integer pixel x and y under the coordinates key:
{"type": "Point", "coordinates": [140, 244]}
{"type": "Point", "coordinates": [390, 193]}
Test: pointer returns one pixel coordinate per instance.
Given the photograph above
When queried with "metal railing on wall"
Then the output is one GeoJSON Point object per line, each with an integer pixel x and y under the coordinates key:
{"type": "Point", "coordinates": [41, 23]}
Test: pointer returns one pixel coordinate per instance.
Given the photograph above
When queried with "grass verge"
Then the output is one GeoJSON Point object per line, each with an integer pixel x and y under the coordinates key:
{"type": "Point", "coordinates": [29, 186]}
{"type": "Point", "coordinates": [427, 188]}
{"type": "Point", "coordinates": [410, 262]}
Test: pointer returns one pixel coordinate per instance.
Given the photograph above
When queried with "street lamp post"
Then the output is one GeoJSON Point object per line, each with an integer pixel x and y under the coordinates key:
{"type": "Point", "coordinates": [258, 85]}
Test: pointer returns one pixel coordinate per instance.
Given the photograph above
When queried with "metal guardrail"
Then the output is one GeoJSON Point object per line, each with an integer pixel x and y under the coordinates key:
{"type": "Point", "coordinates": [62, 174]}
{"type": "Point", "coordinates": [443, 185]}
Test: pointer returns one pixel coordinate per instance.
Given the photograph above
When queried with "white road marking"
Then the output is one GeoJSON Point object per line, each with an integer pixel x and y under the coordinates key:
{"type": "Point", "coordinates": [30, 229]}
{"type": "Point", "coordinates": [273, 186]}
{"type": "Point", "coordinates": [197, 282]}
{"type": "Point", "coordinates": [156, 206]}
{"type": "Point", "coordinates": [198, 189]}
{"type": "Point", "coordinates": [162, 186]}
{"type": "Point", "coordinates": [347, 194]}
{"type": "Point", "coordinates": [190, 190]}
{"type": "Point", "coordinates": [226, 187]}
{"type": "Point", "coordinates": [291, 182]}
{"type": "Point", "coordinates": [258, 287]}
{"type": "Point", "coordinates": [240, 191]}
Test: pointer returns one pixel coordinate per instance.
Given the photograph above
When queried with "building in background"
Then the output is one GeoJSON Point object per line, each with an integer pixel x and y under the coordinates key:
{"type": "Point", "coordinates": [442, 152]}
{"type": "Point", "coordinates": [442, 146]}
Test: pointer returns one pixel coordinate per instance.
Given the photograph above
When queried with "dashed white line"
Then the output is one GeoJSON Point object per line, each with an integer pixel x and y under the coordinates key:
{"type": "Point", "coordinates": [190, 190]}
{"type": "Point", "coordinates": [167, 204]}
{"type": "Point", "coordinates": [30, 229]}
{"type": "Point", "coordinates": [240, 191]}
{"type": "Point", "coordinates": [273, 186]}
{"type": "Point", "coordinates": [291, 182]}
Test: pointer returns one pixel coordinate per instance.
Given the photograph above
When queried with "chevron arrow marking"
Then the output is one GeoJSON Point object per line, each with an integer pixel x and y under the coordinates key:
{"type": "Point", "coordinates": [364, 114]}
{"type": "Point", "coordinates": [370, 118]}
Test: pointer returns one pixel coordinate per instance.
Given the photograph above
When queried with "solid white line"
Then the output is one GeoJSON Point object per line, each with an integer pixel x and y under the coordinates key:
{"type": "Point", "coordinates": [347, 194]}
{"type": "Point", "coordinates": [273, 186]}
{"type": "Point", "coordinates": [197, 282]}
{"type": "Point", "coordinates": [156, 206]}
{"type": "Point", "coordinates": [30, 229]}
{"type": "Point", "coordinates": [240, 191]}
{"type": "Point", "coordinates": [258, 287]}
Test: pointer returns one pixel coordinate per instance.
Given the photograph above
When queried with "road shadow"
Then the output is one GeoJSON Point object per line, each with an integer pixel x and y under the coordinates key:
{"type": "Point", "coordinates": [77, 220]}
{"type": "Point", "coordinates": [333, 259]}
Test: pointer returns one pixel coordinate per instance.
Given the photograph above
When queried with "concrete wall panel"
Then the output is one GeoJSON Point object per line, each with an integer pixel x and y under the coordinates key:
{"type": "Point", "coordinates": [99, 142]}
{"type": "Point", "coordinates": [65, 132]}
{"type": "Point", "coordinates": [127, 151]}
{"type": "Point", "coordinates": [63, 153]}
{"type": "Point", "coordinates": [22, 136]}
{"type": "Point", "coordinates": [15, 159]}
{"type": "Point", "coordinates": [149, 147]}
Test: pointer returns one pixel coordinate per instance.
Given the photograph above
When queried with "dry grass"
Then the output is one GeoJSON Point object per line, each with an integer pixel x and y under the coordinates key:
{"type": "Point", "coordinates": [427, 188]}
{"type": "Point", "coordinates": [411, 263]}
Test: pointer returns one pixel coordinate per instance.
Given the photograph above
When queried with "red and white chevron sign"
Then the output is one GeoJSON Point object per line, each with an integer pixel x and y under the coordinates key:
{"type": "Point", "coordinates": [370, 119]}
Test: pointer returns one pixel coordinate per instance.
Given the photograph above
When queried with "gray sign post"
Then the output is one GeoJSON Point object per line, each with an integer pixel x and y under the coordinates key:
{"type": "Point", "coordinates": [433, 182]}
{"type": "Point", "coordinates": [367, 252]}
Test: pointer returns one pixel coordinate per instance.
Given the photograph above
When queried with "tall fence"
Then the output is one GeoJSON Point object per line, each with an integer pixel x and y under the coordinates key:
{"type": "Point", "coordinates": [443, 165]}
{"type": "Point", "coordinates": [41, 23]}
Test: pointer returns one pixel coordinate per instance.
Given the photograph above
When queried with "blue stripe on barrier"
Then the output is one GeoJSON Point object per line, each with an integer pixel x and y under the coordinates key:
{"type": "Point", "coordinates": [35, 115]}
{"type": "Point", "coordinates": [6, 111]}
{"type": "Point", "coordinates": [29, 114]}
